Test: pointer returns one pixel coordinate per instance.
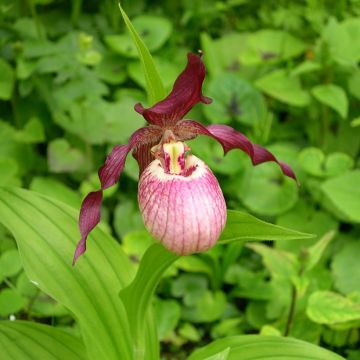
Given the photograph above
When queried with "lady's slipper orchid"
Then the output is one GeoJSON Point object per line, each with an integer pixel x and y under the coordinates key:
{"type": "Point", "coordinates": [179, 197]}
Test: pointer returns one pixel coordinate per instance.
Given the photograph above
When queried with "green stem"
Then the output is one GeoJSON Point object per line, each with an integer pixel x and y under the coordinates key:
{"type": "Point", "coordinates": [324, 125]}
{"type": "Point", "coordinates": [137, 297]}
{"type": "Point", "coordinates": [291, 314]}
{"type": "Point", "coordinates": [34, 15]}
{"type": "Point", "coordinates": [293, 301]}
{"type": "Point", "coordinates": [75, 11]}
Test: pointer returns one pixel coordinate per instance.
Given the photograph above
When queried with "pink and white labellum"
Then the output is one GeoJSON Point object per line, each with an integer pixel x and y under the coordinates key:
{"type": "Point", "coordinates": [181, 201]}
{"type": "Point", "coordinates": [179, 197]}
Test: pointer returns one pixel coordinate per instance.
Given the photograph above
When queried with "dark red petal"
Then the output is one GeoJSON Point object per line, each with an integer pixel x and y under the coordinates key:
{"type": "Point", "coordinates": [88, 219]}
{"type": "Point", "coordinates": [185, 94]}
{"type": "Point", "coordinates": [143, 155]}
{"type": "Point", "coordinates": [109, 175]}
{"type": "Point", "coordinates": [230, 139]}
{"type": "Point", "coordinates": [149, 137]}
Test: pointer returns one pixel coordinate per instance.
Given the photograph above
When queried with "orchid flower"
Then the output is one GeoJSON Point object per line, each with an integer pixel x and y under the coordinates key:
{"type": "Point", "coordinates": [179, 197]}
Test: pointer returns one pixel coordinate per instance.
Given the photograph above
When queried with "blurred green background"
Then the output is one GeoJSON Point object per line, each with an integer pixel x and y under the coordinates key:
{"type": "Point", "coordinates": [285, 73]}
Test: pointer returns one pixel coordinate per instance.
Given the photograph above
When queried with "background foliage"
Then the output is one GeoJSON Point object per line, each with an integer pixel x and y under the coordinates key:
{"type": "Point", "coordinates": [286, 73]}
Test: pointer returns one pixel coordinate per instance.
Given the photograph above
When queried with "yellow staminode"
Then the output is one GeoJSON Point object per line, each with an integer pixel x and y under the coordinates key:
{"type": "Point", "coordinates": [175, 152]}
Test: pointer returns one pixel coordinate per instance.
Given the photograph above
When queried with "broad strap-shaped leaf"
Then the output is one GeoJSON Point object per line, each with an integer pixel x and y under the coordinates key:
{"type": "Point", "coordinates": [137, 296]}
{"type": "Point", "coordinates": [154, 84]}
{"type": "Point", "coordinates": [257, 347]}
{"type": "Point", "coordinates": [25, 340]}
{"type": "Point", "coordinates": [242, 226]}
{"type": "Point", "coordinates": [46, 234]}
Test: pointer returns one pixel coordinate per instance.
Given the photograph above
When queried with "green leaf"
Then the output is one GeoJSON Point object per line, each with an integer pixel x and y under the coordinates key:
{"type": "Point", "coordinates": [314, 162]}
{"type": "Point", "coordinates": [212, 153]}
{"type": "Point", "coordinates": [9, 169]}
{"type": "Point", "coordinates": [194, 263]}
{"type": "Point", "coordinates": [209, 307]}
{"type": "Point", "coordinates": [64, 158]}
{"type": "Point", "coordinates": [346, 268]}
{"type": "Point", "coordinates": [333, 96]}
{"type": "Point", "coordinates": [269, 45]}
{"type": "Point", "coordinates": [191, 287]}
{"type": "Point", "coordinates": [121, 120]}
{"type": "Point", "coordinates": [305, 68]}
{"type": "Point", "coordinates": [226, 327]}
{"type": "Point", "coordinates": [154, 32]}
{"type": "Point", "coordinates": [7, 80]}
{"type": "Point", "coordinates": [127, 218]}
{"type": "Point", "coordinates": [135, 243]}
{"type": "Point", "coordinates": [111, 69]}
{"type": "Point", "coordinates": [47, 229]}
{"type": "Point", "coordinates": [45, 306]}
{"type": "Point", "coordinates": [355, 122]}
{"type": "Point", "coordinates": [284, 88]}
{"type": "Point", "coordinates": [269, 330]}
{"type": "Point", "coordinates": [32, 133]}
{"type": "Point", "coordinates": [265, 191]}
{"type": "Point", "coordinates": [167, 316]}
{"type": "Point", "coordinates": [212, 60]}
{"type": "Point", "coordinates": [326, 307]}
{"type": "Point", "coordinates": [315, 252]}
{"type": "Point", "coordinates": [242, 226]}
{"type": "Point", "coordinates": [55, 189]}
{"type": "Point", "coordinates": [234, 98]}
{"type": "Point", "coordinates": [342, 39]}
{"type": "Point", "coordinates": [10, 263]}
{"type": "Point", "coordinates": [88, 120]}
{"type": "Point", "coordinates": [137, 296]}
{"type": "Point", "coordinates": [311, 160]}
{"type": "Point", "coordinates": [281, 264]}
{"type": "Point", "coordinates": [344, 193]}
{"type": "Point", "coordinates": [169, 72]}
{"type": "Point", "coordinates": [26, 340]}
{"type": "Point", "coordinates": [338, 163]}
{"type": "Point", "coordinates": [354, 83]}
{"type": "Point", "coordinates": [189, 332]}
{"type": "Point", "coordinates": [154, 85]}
{"type": "Point", "coordinates": [10, 302]}
{"type": "Point", "coordinates": [256, 347]}
{"type": "Point", "coordinates": [222, 355]}
{"type": "Point", "coordinates": [228, 47]}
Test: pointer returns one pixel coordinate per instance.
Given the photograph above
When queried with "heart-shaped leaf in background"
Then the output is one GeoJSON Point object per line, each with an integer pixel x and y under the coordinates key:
{"type": "Point", "coordinates": [62, 157]}
{"type": "Point", "coordinates": [283, 87]}
{"type": "Point", "coordinates": [270, 45]}
{"type": "Point", "coordinates": [234, 99]}
{"type": "Point", "coordinates": [153, 30]}
{"type": "Point", "coordinates": [333, 96]}
{"type": "Point", "coordinates": [344, 193]}
{"type": "Point", "coordinates": [346, 268]}
{"type": "Point", "coordinates": [314, 162]}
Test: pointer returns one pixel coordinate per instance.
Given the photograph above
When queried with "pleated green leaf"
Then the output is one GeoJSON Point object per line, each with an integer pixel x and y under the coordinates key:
{"type": "Point", "coordinates": [256, 347]}
{"type": "Point", "coordinates": [154, 84]}
{"type": "Point", "coordinates": [46, 232]}
{"type": "Point", "coordinates": [242, 226]}
{"type": "Point", "coordinates": [25, 340]}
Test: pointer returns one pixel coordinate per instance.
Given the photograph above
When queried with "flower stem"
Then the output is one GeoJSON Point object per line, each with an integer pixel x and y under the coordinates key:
{"type": "Point", "coordinates": [291, 314]}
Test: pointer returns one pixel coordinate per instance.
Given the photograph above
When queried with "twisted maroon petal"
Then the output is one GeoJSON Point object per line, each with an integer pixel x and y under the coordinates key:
{"type": "Point", "coordinates": [230, 139]}
{"type": "Point", "coordinates": [143, 155]}
{"type": "Point", "coordinates": [185, 94]}
{"type": "Point", "coordinates": [109, 175]}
